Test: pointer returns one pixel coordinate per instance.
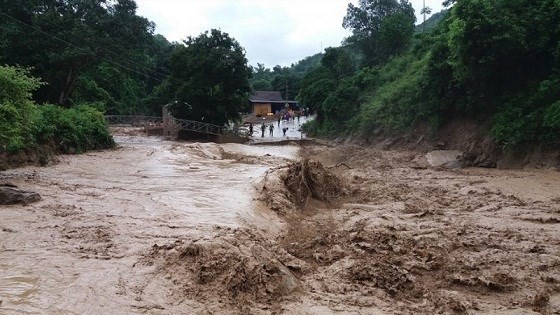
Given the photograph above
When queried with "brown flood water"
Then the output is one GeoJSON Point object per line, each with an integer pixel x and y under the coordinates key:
{"type": "Point", "coordinates": [73, 252]}
{"type": "Point", "coordinates": [162, 227]}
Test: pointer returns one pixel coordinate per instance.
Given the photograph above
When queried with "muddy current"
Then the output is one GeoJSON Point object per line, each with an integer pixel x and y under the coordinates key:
{"type": "Point", "coordinates": [163, 227]}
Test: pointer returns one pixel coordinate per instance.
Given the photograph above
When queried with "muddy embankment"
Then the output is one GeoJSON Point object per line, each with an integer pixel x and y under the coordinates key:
{"type": "Point", "coordinates": [162, 227]}
{"type": "Point", "coordinates": [407, 238]}
{"type": "Point", "coordinates": [470, 138]}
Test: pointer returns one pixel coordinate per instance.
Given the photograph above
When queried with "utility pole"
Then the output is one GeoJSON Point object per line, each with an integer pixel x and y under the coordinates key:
{"type": "Point", "coordinates": [286, 105]}
{"type": "Point", "coordinates": [424, 10]}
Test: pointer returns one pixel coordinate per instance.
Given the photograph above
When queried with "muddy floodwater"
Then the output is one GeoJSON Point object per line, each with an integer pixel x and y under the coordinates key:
{"type": "Point", "coordinates": [72, 252]}
{"type": "Point", "coordinates": [163, 227]}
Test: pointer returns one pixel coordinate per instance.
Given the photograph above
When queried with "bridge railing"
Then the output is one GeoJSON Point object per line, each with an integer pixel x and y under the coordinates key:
{"type": "Point", "coordinates": [173, 123]}
{"type": "Point", "coordinates": [134, 120]}
{"type": "Point", "coordinates": [197, 126]}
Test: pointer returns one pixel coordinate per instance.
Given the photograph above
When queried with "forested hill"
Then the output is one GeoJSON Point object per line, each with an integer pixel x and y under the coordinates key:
{"type": "Point", "coordinates": [431, 22]}
{"type": "Point", "coordinates": [495, 63]}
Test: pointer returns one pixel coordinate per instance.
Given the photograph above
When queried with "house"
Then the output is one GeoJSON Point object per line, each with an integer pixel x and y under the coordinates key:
{"type": "Point", "coordinates": [265, 103]}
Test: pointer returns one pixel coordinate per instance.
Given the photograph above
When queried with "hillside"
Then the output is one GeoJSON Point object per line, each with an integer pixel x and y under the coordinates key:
{"type": "Point", "coordinates": [498, 74]}
{"type": "Point", "coordinates": [431, 22]}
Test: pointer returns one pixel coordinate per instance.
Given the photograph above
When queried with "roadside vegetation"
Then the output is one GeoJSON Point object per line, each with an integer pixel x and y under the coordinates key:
{"type": "Point", "coordinates": [493, 62]}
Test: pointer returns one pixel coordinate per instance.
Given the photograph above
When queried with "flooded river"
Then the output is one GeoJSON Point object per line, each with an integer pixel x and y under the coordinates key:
{"type": "Point", "coordinates": [163, 227]}
{"type": "Point", "coordinates": [73, 252]}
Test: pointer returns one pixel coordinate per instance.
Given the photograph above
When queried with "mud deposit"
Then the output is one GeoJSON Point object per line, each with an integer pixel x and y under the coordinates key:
{"type": "Point", "coordinates": [162, 227]}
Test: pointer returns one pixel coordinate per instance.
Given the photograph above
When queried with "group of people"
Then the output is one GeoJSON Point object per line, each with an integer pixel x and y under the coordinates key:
{"type": "Point", "coordinates": [290, 115]}
{"type": "Point", "coordinates": [270, 129]}
{"type": "Point", "coordinates": [286, 116]}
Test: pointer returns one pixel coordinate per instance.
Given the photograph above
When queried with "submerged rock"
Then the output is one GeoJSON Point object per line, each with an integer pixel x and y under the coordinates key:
{"type": "Point", "coordinates": [10, 195]}
{"type": "Point", "coordinates": [445, 158]}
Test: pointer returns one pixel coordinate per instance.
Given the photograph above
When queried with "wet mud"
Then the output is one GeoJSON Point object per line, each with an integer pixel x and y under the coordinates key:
{"type": "Point", "coordinates": [162, 227]}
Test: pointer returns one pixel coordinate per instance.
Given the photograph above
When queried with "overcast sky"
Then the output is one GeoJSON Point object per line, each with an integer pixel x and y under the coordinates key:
{"type": "Point", "coordinates": [273, 32]}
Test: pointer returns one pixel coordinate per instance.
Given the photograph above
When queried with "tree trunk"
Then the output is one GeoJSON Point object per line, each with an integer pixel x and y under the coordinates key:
{"type": "Point", "coordinates": [68, 86]}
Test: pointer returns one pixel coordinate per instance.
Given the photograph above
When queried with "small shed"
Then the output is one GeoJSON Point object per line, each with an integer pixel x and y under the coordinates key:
{"type": "Point", "coordinates": [264, 103]}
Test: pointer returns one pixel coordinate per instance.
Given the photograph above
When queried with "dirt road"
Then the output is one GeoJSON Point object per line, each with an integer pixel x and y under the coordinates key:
{"type": "Point", "coordinates": [161, 227]}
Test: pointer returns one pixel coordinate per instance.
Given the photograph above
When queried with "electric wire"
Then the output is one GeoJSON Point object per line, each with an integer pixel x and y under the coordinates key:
{"type": "Point", "coordinates": [90, 50]}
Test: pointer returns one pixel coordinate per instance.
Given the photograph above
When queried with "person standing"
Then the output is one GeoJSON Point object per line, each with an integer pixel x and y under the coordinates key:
{"type": "Point", "coordinates": [271, 129]}
{"type": "Point", "coordinates": [263, 128]}
{"type": "Point", "coordinates": [250, 129]}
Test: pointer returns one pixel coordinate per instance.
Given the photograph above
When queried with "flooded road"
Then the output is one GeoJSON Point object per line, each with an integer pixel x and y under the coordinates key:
{"type": "Point", "coordinates": [73, 252]}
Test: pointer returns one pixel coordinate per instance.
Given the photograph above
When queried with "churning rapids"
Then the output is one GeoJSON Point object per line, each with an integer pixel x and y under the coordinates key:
{"type": "Point", "coordinates": [73, 251]}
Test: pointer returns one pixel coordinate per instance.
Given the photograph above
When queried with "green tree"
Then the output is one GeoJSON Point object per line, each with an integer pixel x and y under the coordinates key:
{"type": "Point", "coordinates": [339, 62]}
{"type": "Point", "coordinates": [119, 92]}
{"type": "Point", "coordinates": [261, 85]}
{"type": "Point", "coordinates": [159, 55]}
{"type": "Point", "coordinates": [307, 64]}
{"type": "Point", "coordinates": [286, 81]}
{"type": "Point", "coordinates": [261, 78]}
{"type": "Point", "coordinates": [60, 39]}
{"type": "Point", "coordinates": [321, 88]}
{"type": "Point", "coordinates": [315, 88]}
{"type": "Point", "coordinates": [16, 107]}
{"type": "Point", "coordinates": [499, 48]}
{"type": "Point", "coordinates": [342, 104]}
{"type": "Point", "coordinates": [380, 28]}
{"type": "Point", "coordinates": [26, 126]}
{"type": "Point", "coordinates": [209, 79]}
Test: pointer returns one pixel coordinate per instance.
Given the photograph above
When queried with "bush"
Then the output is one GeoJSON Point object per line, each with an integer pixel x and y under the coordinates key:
{"type": "Point", "coordinates": [25, 125]}
{"type": "Point", "coordinates": [16, 108]}
{"type": "Point", "coordinates": [398, 102]}
{"type": "Point", "coordinates": [531, 116]}
{"type": "Point", "coordinates": [76, 129]}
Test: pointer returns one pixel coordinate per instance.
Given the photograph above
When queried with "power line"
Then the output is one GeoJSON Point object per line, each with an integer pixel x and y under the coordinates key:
{"type": "Point", "coordinates": [109, 51]}
{"type": "Point", "coordinates": [78, 47]}
{"type": "Point", "coordinates": [89, 50]}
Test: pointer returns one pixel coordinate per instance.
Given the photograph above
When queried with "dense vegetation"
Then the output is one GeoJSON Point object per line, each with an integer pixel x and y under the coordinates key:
{"type": "Point", "coordinates": [493, 62]}
{"type": "Point", "coordinates": [85, 50]}
{"type": "Point", "coordinates": [69, 62]}
{"type": "Point", "coordinates": [284, 79]}
{"type": "Point", "coordinates": [209, 79]}
{"type": "Point", "coordinates": [26, 126]}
